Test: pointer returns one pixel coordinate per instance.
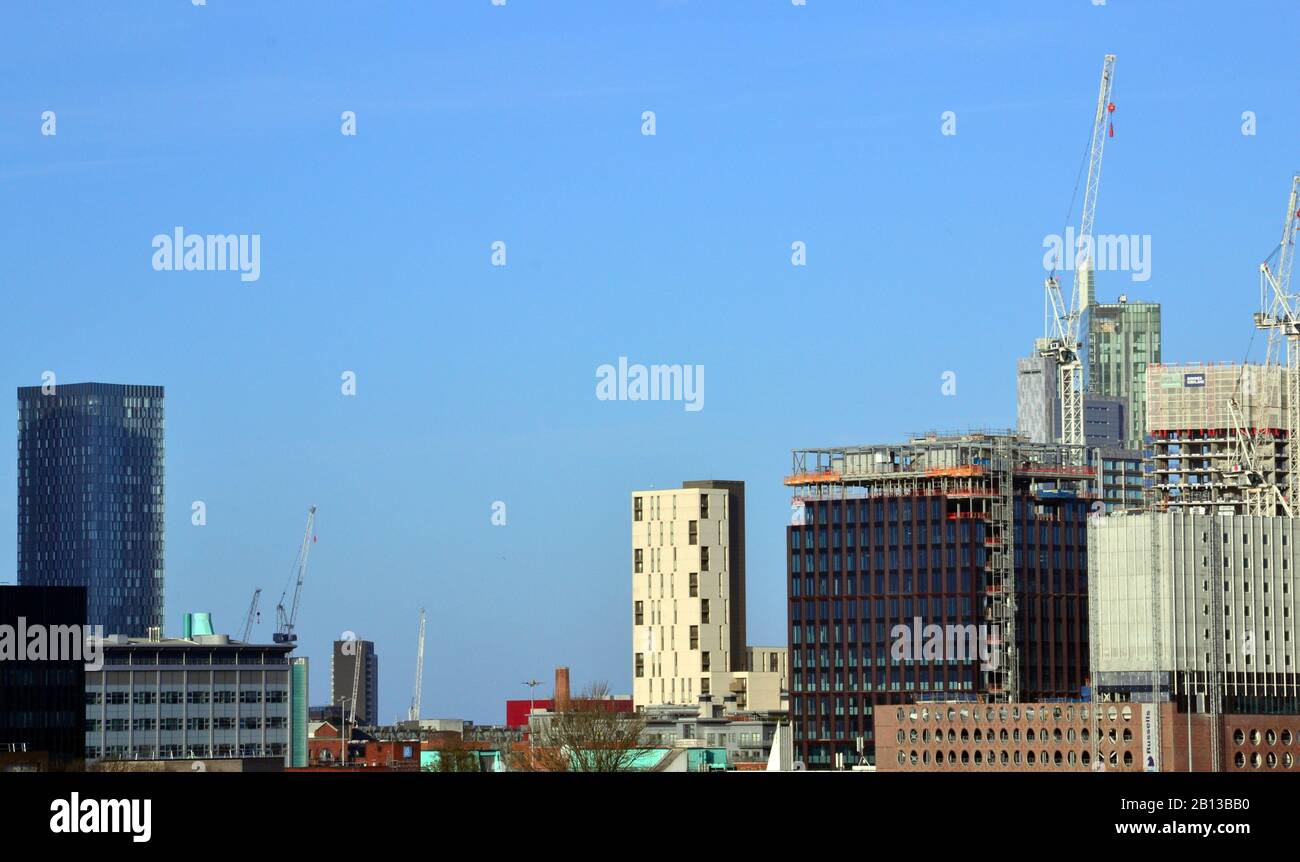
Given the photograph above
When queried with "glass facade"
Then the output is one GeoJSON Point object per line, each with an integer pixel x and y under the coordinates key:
{"type": "Point", "coordinates": [90, 498]}
{"type": "Point", "coordinates": [859, 567]}
{"type": "Point", "coordinates": [1123, 339]}
{"type": "Point", "coordinates": [40, 699]}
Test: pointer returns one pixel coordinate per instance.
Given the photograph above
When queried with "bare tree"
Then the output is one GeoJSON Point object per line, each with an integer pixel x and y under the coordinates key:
{"type": "Point", "coordinates": [588, 736]}
{"type": "Point", "coordinates": [456, 756]}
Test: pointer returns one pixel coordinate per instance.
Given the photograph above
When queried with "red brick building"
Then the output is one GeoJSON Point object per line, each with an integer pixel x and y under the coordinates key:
{"type": "Point", "coordinates": [1075, 737]}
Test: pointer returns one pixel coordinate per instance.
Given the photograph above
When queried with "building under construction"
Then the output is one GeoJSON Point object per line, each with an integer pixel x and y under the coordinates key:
{"type": "Point", "coordinates": [1218, 437]}
{"type": "Point", "coordinates": [978, 530]}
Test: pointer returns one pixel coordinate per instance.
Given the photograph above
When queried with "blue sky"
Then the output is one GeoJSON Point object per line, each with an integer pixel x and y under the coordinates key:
{"type": "Point", "coordinates": [475, 383]}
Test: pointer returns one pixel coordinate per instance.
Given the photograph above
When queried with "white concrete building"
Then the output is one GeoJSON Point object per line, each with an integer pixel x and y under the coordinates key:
{"type": "Point", "coordinates": [688, 599]}
{"type": "Point", "coordinates": [1227, 589]}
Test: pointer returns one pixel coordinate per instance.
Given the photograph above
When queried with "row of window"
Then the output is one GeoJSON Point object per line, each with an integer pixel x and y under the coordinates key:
{"type": "Point", "coordinates": [1014, 758]}
{"type": "Point", "coordinates": [172, 752]}
{"type": "Point", "coordinates": [247, 722]}
{"type": "Point", "coordinates": [193, 697]}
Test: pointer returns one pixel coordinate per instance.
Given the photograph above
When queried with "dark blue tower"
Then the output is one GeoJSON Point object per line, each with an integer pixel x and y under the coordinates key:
{"type": "Point", "coordinates": [90, 498]}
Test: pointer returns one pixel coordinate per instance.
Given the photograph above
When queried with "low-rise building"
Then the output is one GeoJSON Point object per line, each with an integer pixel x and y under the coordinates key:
{"type": "Point", "coordinates": [1080, 737]}
{"type": "Point", "coordinates": [744, 736]}
{"type": "Point", "coordinates": [206, 697]}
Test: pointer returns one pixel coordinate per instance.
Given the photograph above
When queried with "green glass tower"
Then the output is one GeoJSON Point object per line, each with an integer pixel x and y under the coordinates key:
{"type": "Point", "coordinates": [1123, 338]}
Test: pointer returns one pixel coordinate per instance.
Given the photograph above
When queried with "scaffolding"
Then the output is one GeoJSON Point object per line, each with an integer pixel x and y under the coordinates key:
{"type": "Point", "coordinates": [979, 475]}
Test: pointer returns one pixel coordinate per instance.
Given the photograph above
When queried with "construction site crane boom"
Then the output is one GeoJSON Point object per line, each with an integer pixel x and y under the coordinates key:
{"type": "Point", "coordinates": [414, 714]}
{"type": "Point", "coordinates": [358, 647]}
{"type": "Point", "coordinates": [285, 620]}
{"type": "Point", "coordinates": [252, 615]}
{"type": "Point", "coordinates": [356, 677]}
{"type": "Point", "coordinates": [1278, 315]}
{"type": "Point", "coordinates": [1061, 340]}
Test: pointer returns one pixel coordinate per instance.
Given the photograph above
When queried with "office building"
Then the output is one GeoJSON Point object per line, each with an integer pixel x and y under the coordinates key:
{"type": "Point", "coordinates": [1122, 478]}
{"type": "Point", "coordinates": [1106, 418]}
{"type": "Point", "coordinates": [1122, 341]}
{"type": "Point", "coordinates": [344, 679]}
{"type": "Point", "coordinates": [41, 714]}
{"type": "Point", "coordinates": [90, 498]}
{"type": "Point", "coordinates": [198, 699]}
{"type": "Point", "coordinates": [980, 535]}
{"type": "Point", "coordinates": [1121, 475]}
{"type": "Point", "coordinates": [1215, 630]}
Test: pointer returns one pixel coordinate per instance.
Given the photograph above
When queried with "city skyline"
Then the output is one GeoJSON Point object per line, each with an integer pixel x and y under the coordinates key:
{"type": "Point", "coordinates": [477, 384]}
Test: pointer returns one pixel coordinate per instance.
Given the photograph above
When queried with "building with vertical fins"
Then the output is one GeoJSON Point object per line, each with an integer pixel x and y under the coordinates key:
{"type": "Point", "coordinates": [90, 498]}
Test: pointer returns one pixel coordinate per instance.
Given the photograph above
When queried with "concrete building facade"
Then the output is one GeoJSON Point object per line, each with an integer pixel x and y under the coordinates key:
{"type": "Point", "coordinates": [210, 697]}
{"type": "Point", "coordinates": [1082, 737]}
{"type": "Point", "coordinates": [1195, 437]}
{"type": "Point", "coordinates": [685, 608]}
{"type": "Point", "coordinates": [746, 736]}
{"type": "Point", "coordinates": [1222, 607]}
{"type": "Point", "coordinates": [688, 598]}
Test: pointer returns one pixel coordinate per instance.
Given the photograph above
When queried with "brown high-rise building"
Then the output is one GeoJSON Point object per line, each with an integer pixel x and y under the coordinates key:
{"type": "Point", "coordinates": [982, 537]}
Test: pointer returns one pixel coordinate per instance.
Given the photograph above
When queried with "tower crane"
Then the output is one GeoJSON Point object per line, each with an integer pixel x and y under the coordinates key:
{"type": "Point", "coordinates": [414, 714]}
{"type": "Point", "coordinates": [252, 615]}
{"type": "Point", "coordinates": [1061, 339]}
{"type": "Point", "coordinates": [1279, 315]}
{"type": "Point", "coordinates": [356, 678]}
{"type": "Point", "coordinates": [360, 647]}
{"type": "Point", "coordinates": [285, 620]}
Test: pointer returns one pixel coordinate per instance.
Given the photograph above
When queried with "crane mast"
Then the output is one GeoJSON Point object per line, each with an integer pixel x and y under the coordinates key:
{"type": "Point", "coordinates": [1278, 315]}
{"type": "Point", "coordinates": [414, 714]}
{"type": "Point", "coordinates": [356, 678]}
{"type": "Point", "coordinates": [360, 648]}
{"type": "Point", "coordinates": [287, 619]}
{"type": "Point", "coordinates": [252, 615]}
{"type": "Point", "coordinates": [1061, 340]}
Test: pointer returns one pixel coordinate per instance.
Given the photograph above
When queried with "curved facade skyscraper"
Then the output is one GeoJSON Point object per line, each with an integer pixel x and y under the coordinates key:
{"type": "Point", "coordinates": [90, 498]}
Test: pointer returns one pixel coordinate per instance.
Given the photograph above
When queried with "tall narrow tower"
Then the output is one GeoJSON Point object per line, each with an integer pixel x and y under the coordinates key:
{"type": "Point", "coordinates": [90, 498]}
{"type": "Point", "coordinates": [688, 591]}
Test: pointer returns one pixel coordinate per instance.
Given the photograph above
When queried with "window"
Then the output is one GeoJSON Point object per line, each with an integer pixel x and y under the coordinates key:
{"type": "Point", "coordinates": [695, 637]}
{"type": "Point", "coordinates": [704, 685]}
{"type": "Point", "coordinates": [640, 665]}
{"type": "Point", "coordinates": [638, 613]}
{"type": "Point", "coordinates": [704, 611]}
{"type": "Point", "coordinates": [638, 564]}
{"type": "Point", "coordinates": [636, 508]}
{"type": "Point", "coordinates": [704, 506]}
{"type": "Point", "coordinates": [693, 533]}
{"type": "Point", "coordinates": [704, 661]}
{"type": "Point", "coordinates": [695, 585]}
{"type": "Point", "coordinates": [704, 559]}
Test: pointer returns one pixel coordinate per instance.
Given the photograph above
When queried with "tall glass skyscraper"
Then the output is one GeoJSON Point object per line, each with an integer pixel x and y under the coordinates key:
{"type": "Point", "coordinates": [90, 498]}
{"type": "Point", "coordinates": [1123, 339]}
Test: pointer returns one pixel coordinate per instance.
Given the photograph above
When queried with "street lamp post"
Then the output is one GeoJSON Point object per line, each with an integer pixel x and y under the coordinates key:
{"type": "Point", "coordinates": [532, 685]}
